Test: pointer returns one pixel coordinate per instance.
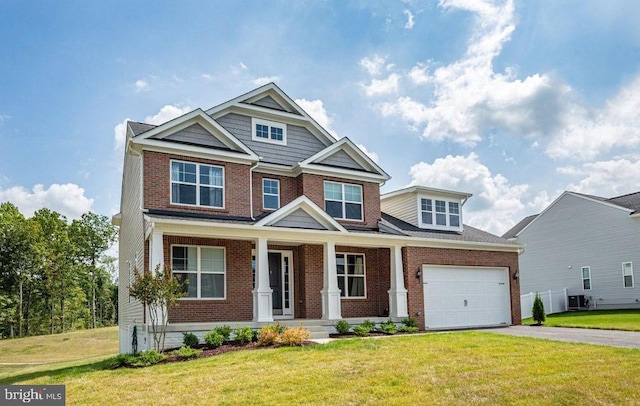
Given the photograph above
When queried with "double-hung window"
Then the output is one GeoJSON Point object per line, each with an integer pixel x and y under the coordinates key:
{"type": "Point", "coordinates": [442, 214]}
{"type": "Point", "coordinates": [351, 275]}
{"type": "Point", "coordinates": [627, 274]}
{"type": "Point", "coordinates": [270, 194]}
{"type": "Point", "coordinates": [268, 131]}
{"type": "Point", "coordinates": [586, 278]}
{"type": "Point", "coordinates": [200, 269]}
{"type": "Point", "coordinates": [343, 201]}
{"type": "Point", "coordinates": [197, 184]}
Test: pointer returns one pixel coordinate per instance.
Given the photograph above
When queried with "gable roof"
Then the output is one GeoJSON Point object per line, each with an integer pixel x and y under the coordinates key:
{"type": "Point", "coordinates": [318, 161]}
{"type": "Point", "coordinates": [630, 201]}
{"type": "Point", "coordinates": [427, 190]}
{"type": "Point", "coordinates": [158, 135]}
{"type": "Point", "coordinates": [254, 101]}
{"type": "Point", "coordinates": [515, 230]}
{"type": "Point", "coordinates": [309, 208]}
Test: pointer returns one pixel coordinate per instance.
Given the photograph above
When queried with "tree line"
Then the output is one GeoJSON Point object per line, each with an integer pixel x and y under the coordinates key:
{"type": "Point", "coordinates": [54, 274]}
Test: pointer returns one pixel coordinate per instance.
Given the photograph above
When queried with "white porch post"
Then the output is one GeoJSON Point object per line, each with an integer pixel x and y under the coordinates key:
{"type": "Point", "coordinates": [156, 257]}
{"type": "Point", "coordinates": [262, 294]}
{"type": "Point", "coordinates": [397, 293]}
{"type": "Point", "coordinates": [330, 292]}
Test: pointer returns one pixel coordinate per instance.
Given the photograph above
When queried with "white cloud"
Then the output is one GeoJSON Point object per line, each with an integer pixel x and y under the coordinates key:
{"type": "Point", "coordinates": [410, 21]}
{"type": "Point", "coordinates": [419, 74]}
{"type": "Point", "coordinates": [4, 117]}
{"type": "Point", "coordinates": [380, 87]}
{"type": "Point", "coordinates": [605, 178]}
{"type": "Point", "coordinates": [67, 199]}
{"type": "Point", "coordinates": [166, 113]}
{"type": "Point", "coordinates": [540, 202]}
{"type": "Point", "coordinates": [264, 80]}
{"type": "Point", "coordinates": [372, 65]}
{"type": "Point", "coordinates": [142, 85]}
{"type": "Point", "coordinates": [374, 156]}
{"type": "Point", "coordinates": [315, 108]}
{"type": "Point", "coordinates": [496, 205]}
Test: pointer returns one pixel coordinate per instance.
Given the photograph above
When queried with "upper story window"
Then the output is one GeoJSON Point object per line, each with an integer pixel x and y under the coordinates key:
{"type": "Point", "coordinates": [268, 131]}
{"type": "Point", "coordinates": [627, 274]}
{"type": "Point", "coordinates": [202, 268]}
{"type": "Point", "coordinates": [440, 214]}
{"type": "Point", "coordinates": [197, 184]}
{"type": "Point", "coordinates": [586, 278]}
{"type": "Point", "coordinates": [270, 194]}
{"type": "Point", "coordinates": [343, 201]}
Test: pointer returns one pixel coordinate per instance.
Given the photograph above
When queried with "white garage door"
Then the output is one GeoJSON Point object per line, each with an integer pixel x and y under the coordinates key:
{"type": "Point", "coordinates": [457, 297]}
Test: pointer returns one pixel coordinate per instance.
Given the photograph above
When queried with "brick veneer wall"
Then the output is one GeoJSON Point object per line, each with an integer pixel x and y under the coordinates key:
{"type": "Point", "coordinates": [238, 305]}
{"type": "Point", "coordinates": [288, 191]}
{"type": "Point", "coordinates": [312, 186]}
{"type": "Point", "coordinates": [378, 282]}
{"type": "Point", "coordinates": [157, 185]}
{"type": "Point", "coordinates": [310, 282]}
{"type": "Point", "coordinates": [413, 258]}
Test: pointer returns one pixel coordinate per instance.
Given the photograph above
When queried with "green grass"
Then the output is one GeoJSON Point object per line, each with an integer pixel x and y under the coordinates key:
{"type": "Point", "coordinates": [628, 320]}
{"type": "Point", "coordinates": [442, 368]}
{"type": "Point", "coordinates": [42, 353]}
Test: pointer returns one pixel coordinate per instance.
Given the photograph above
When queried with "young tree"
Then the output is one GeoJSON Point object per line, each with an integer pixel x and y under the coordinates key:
{"type": "Point", "coordinates": [157, 291]}
{"type": "Point", "coordinates": [538, 310]}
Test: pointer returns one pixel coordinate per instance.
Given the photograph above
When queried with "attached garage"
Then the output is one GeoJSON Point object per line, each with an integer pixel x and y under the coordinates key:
{"type": "Point", "coordinates": [460, 297]}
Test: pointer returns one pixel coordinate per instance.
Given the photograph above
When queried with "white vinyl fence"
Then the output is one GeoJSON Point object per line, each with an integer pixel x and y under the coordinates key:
{"type": "Point", "coordinates": [554, 302]}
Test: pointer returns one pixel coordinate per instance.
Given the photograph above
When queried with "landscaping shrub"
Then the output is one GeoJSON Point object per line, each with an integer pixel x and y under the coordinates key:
{"type": "Point", "coordinates": [269, 335]}
{"type": "Point", "coordinates": [243, 335]}
{"type": "Point", "coordinates": [141, 359]}
{"type": "Point", "coordinates": [122, 360]}
{"type": "Point", "coordinates": [342, 327]}
{"type": "Point", "coordinates": [407, 329]}
{"type": "Point", "coordinates": [254, 335]}
{"type": "Point", "coordinates": [293, 336]}
{"type": "Point", "coordinates": [369, 324]}
{"type": "Point", "coordinates": [190, 340]}
{"type": "Point", "coordinates": [410, 322]}
{"type": "Point", "coordinates": [213, 339]}
{"type": "Point", "coordinates": [537, 311]}
{"type": "Point", "coordinates": [388, 327]}
{"type": "Point", "coordinates": [187, 352]}
{"type": "Point", "coordinates": [224, 331]}
{"type": "Point", "coordinates": [361, 330]}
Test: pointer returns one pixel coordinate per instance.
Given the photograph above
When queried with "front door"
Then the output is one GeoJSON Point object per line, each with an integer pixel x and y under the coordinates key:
{"type": "Point", "coordinates": [281, 282]}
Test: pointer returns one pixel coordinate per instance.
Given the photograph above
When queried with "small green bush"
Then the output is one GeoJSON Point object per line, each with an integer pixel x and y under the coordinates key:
{"type": "Point", "coordinates": [361, 330]}
{"type": "Point", "coordinates": [410, 322]}
{"type": "Point", "coordinates": [342, 327]}
{"type": "Point", "coordinates": [146, 358]}
{"type": "Point", "coordinates": [243, 334]}
{"type": "Point", "coordinates": [190, 340]}
{"type": "Point", "coordinates": [254, 335]}
{"type": "Point", "coordinates": [213, 339]}
{"type": "Point", "coordinates": [294, 336]}
{"type": "Point", "coordinates": [122, 360]}
{"type": "Point", "coordinates": [408, 329]}
{"type": "Point", "coordinates": [269, 335]}
{"type": "Point", "coordinates": [388, 327]}
{"type": "Point", "coordinates": [187, 352]}
{"type": "Point", "coordinates": [224, 331]}
{"type": "Point", "coordinates": [369, 324]}
{"type": "Point", "coordinates": [537, 310]}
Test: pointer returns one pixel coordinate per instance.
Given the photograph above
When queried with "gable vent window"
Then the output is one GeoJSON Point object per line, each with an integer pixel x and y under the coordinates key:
{"type": "Point", "coordinates": [268, 131]}
{"type": "Point", "coordinates": [439, 214]}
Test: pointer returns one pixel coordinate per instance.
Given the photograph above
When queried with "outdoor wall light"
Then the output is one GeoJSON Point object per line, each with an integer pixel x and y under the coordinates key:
{"type": "Point", "coordinates": [516, 276]}
{"type": "Point", "coordinates": [419, 273]}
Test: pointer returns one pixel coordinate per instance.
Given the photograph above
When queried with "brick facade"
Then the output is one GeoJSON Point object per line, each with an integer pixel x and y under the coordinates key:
{"type": "Point", "coordinates": [157, 185]}
{"type": "Point", "coordinates": [413, 258]}
{"type": "Point", "coordinates": [288, 191]}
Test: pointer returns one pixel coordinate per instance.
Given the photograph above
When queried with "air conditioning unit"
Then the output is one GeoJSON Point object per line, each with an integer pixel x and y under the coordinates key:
{"type": "Point", "coordinates": [577, 302]}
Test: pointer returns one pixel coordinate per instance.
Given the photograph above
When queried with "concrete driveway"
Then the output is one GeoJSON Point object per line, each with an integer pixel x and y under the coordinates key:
{"type": "Point", "coordinates": [612, 338]}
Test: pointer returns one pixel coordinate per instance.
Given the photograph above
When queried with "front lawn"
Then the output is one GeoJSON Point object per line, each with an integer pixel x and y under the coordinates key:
{"type": "Point", "coordinates": [628, 320]}
{"type": "Point", "coordinates": [436, 368]}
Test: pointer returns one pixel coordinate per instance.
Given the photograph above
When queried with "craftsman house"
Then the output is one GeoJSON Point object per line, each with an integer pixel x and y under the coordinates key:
{"type": "Point", "coordinates": [269, 217]}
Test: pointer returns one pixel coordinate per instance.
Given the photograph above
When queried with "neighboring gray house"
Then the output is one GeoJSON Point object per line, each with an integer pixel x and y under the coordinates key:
{"type": "Point", "coordinates": [586, 244]}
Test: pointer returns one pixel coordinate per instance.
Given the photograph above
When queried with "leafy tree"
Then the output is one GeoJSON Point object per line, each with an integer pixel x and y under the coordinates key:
{"type": "Point", "coordinates": [157, 290]}
{"type": "Point", "coordinates": [538, 310]}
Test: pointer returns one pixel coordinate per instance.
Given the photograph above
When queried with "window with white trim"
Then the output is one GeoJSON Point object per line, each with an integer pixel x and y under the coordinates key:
{"type": "Point", "coordinates": [343, 201]}
{"type": "Point", "coordinates": [270, 194]}
{"type": "Point", "coordinates": [268, 131]}
{"type": "Point", "coordinates": [586, 278]}
{"type": "Point", "coordinates": [351, 275]}
{"type": "Point", "coordinates": [197, 184]}
{"type": "Point", "coordinates": [202, 268]}
{"type": "Point", "coordinates": [627, 274]}
{"type": "Point", "coordinates": [438, 213]}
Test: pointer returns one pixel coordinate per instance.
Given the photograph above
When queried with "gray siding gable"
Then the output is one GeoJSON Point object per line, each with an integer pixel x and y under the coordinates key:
{"type": "Point", "coordinates": [342, 160]}
{"type": "Point", "coordinates": [196, 134]}
{"type": "Point", "coordinates": [268, 102]}
{"type": "Point", "coordinates": [299, 219]}
{"type": "Point", "coordinates": [301, 144]}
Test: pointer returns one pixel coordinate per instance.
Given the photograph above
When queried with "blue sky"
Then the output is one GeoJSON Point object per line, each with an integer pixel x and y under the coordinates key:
{"type": "Point", "coordinates": [512, 101]}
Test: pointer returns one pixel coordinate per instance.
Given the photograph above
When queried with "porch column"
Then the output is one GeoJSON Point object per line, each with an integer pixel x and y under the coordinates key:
{"type": "Point", "coordinates": [156, 254]}
{"type": "Point", "coordinates": [330, 292]}
{"type": "Point", "coordinates": [397, 293]}
{"type": "Point", "coordinates": [262, 294]}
